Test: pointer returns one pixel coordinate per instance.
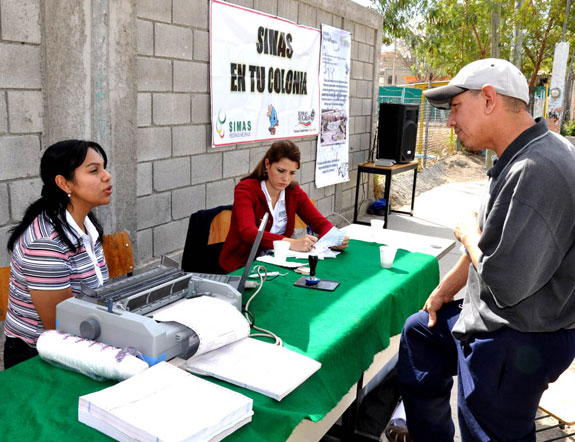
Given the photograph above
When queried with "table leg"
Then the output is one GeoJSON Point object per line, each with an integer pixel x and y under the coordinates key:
{"type": "Point", "coordinates": [356, 196]}
{"type": "Point", "coordinates": [386, 195]}
{"type": "Point", "coordinates": [413, 191]}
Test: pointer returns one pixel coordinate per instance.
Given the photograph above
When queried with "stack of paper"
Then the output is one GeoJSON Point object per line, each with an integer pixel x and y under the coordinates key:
{"type": "Point", "coordinates": [165, 403]}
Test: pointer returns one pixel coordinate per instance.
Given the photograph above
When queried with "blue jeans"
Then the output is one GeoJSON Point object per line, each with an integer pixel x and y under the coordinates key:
{"type": "Point", "coordinates": [501, 377]}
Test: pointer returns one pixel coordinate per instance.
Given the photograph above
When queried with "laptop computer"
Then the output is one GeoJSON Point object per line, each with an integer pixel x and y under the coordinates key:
{"type": "Point", "coordinates": [239, 282]}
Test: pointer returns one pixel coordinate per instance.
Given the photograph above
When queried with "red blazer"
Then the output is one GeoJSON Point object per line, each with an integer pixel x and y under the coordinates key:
{"type": "Point", "coordinates": [250, 205]}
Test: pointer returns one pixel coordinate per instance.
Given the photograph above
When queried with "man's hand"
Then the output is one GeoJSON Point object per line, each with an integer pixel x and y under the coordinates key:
{"type": "Point", "coordinates": [467, 231]}
{"type": "Point", "coordinates": [447, 289]}
{"type": "Point", "coordinates": [434, 303]}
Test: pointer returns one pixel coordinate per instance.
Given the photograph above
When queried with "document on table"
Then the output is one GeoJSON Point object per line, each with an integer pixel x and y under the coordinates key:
{"type": "Point", "coordinates": [225, 351]}
{"type": "Point", "coordinates": [165, 403]}
{"type": "Point", "coordinates": [269, 369]}
{"type": "Point", "coordinates": [319, 252]}
{"type": "Point", "coordinates": [268, 259]}
{"type": "Point", "coordinates": [332, 238]}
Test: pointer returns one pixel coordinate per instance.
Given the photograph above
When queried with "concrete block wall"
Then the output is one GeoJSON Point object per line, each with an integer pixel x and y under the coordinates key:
{"type": "Point", "coordinates": [145, 96]}
{"type": "Point", "coordinates": [174, 164]}
{"type": "Point", "coordinates": [178, 170]}
{"type": "Point", "coordinates": [21, 112]}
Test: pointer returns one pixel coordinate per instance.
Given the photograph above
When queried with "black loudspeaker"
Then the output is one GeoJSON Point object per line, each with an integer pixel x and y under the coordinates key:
{"type": "Point", "coordinates": [397, 131]}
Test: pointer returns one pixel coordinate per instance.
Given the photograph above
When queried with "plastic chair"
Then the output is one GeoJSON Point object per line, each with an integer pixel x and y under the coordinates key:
{"type": "Point", "coordinates": [207, 232]}
{"type": "Point", "coordinates": [220, 226]}
{"type": "Point", "coordinates": [299, 224]}
{"type": "Point", "coordinates": [118, 252]}
{"type": "Point", "coordinates": [4, 284]}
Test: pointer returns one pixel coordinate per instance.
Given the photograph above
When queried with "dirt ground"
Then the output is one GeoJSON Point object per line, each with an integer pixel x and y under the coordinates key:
{"type": "Point", "coordinates": [459, 167]}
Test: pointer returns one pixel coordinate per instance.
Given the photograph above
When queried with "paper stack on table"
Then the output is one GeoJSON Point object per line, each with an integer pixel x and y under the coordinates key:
{"type": "Point", "coordinates": [164, 403]}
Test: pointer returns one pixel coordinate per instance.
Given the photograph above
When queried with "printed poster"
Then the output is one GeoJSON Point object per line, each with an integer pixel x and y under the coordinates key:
{"type": "Point", "coordinates": [264, 76]}
{"type": "Point", "coordinates": [332, 164]}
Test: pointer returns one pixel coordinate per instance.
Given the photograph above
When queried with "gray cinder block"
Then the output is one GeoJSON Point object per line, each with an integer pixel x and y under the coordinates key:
{"type": "Point", "coordinates": [171, 173]}
{"type": "Point", "coordinates": [154, 210]}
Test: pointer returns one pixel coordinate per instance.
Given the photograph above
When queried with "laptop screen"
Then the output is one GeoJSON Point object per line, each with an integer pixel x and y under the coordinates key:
{"type": "Point", "coordinates": [253, 252]}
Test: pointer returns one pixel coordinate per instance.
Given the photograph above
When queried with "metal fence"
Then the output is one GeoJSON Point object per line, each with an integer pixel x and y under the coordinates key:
{"type": "Point", "coordinates": [434, 139]}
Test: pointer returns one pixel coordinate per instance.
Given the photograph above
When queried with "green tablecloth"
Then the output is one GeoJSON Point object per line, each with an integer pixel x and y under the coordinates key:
{"type": "Point", "coordinates": [342, 329]}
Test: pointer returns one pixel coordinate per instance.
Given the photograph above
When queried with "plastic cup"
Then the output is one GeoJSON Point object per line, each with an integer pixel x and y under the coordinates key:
{"type": "Point", "coordinates": [376, 229]}
{"type": "Point", "coordinates": [281, 250]}
{"type": "Point", "coordinates": [386, 256]}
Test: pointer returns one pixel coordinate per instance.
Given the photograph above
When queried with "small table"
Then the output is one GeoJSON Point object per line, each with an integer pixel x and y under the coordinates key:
{"type": "Point", "coordinates": [388, 172]}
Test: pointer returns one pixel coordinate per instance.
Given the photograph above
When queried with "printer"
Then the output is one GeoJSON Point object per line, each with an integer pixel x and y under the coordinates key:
{"type": "Point", "coordinates": [119, 313]}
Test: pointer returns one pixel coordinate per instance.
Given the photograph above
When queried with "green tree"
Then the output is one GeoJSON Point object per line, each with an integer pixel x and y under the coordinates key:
{"type": "Point", "coordinates": [542, 22]}
{"type": "Point", "coordinates": [445, 35]}
{"type": "Point", "coordinates": [398, 16]}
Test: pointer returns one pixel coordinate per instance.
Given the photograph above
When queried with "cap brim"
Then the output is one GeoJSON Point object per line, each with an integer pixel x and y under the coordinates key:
{"type": "Point", "coordinates": [440, 96]}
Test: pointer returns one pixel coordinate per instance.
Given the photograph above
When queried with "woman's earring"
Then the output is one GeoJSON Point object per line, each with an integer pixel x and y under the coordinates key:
{"type": "Point", "coordinates": [69, 195]}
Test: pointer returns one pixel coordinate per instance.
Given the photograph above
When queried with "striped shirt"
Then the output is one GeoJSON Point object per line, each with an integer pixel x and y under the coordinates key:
{"type": "Point", "coordinates": [41, 260]}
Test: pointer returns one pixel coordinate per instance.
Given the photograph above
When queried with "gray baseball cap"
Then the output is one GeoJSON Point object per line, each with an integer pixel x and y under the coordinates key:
{"type": "Point", "coordinates": [502, 75]}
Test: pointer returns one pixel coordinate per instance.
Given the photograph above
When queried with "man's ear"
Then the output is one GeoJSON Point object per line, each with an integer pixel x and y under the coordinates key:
{"type": "Point", "coordinates": [62, 183]}
{"type": "Point", "coordinates": [490, 98]}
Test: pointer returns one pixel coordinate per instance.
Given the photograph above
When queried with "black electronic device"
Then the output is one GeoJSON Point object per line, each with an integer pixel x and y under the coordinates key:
{"type": "Point", "coordinates": [323, 284]}
{"type": "Point", "coordinates": [397, 131]}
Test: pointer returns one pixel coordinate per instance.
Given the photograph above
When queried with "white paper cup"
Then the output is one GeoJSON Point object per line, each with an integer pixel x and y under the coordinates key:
{"type": "Point", "coordinates": [386, 256]}
{"type": "Point", "coordinates": [281, 250]}
{"type": "Point", "coordinates": [376, 229]}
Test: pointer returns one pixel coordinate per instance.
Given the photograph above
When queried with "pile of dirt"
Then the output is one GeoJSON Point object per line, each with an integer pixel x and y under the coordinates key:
{"type": "Point", "coordinates": [459, 167]}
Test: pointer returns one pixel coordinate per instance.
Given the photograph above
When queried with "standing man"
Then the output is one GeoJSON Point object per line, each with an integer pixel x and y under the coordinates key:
{"type": "Point", "coordinates": [514, 331]}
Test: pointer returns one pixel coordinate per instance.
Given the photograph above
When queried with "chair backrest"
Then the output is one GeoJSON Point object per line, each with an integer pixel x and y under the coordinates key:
{"type": "Point", "coordinates": [299, 224]}
{"type": "Point", "coordinates": [4, 284]}
{"type": "Point", "coordinates": [207, 232]}
{"type": "Point", "coordinates": [118, 253]}
{"type": "Point", "coordinates": [219, 227]}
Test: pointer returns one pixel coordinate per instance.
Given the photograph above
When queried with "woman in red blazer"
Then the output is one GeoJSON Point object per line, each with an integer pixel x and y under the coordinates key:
{"type": "Point", "coordinates": [270, 188]}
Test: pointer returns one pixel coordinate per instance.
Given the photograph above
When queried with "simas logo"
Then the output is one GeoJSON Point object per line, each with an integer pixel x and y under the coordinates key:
{"type": "Point", "coordinates": [220, 122]}
{"type": "Point", "coordinates": [305, 118]}
{"type": "Point", "coordinates": [240, 128]}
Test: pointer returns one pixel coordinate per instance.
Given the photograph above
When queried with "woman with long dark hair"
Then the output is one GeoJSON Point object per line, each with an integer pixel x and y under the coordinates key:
{"type": "Point", "coordinates": [270, 188]}
{"type": "Point", "coordinates": [57, 247]}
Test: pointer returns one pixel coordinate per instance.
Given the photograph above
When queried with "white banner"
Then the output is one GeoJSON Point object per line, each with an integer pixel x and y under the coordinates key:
{"type": "Point", "coordinates": [557, 89]}
{"type": "Point", "coordinates": [332, 164]}
{"type": "Point", "coordinates": [264, 76]}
